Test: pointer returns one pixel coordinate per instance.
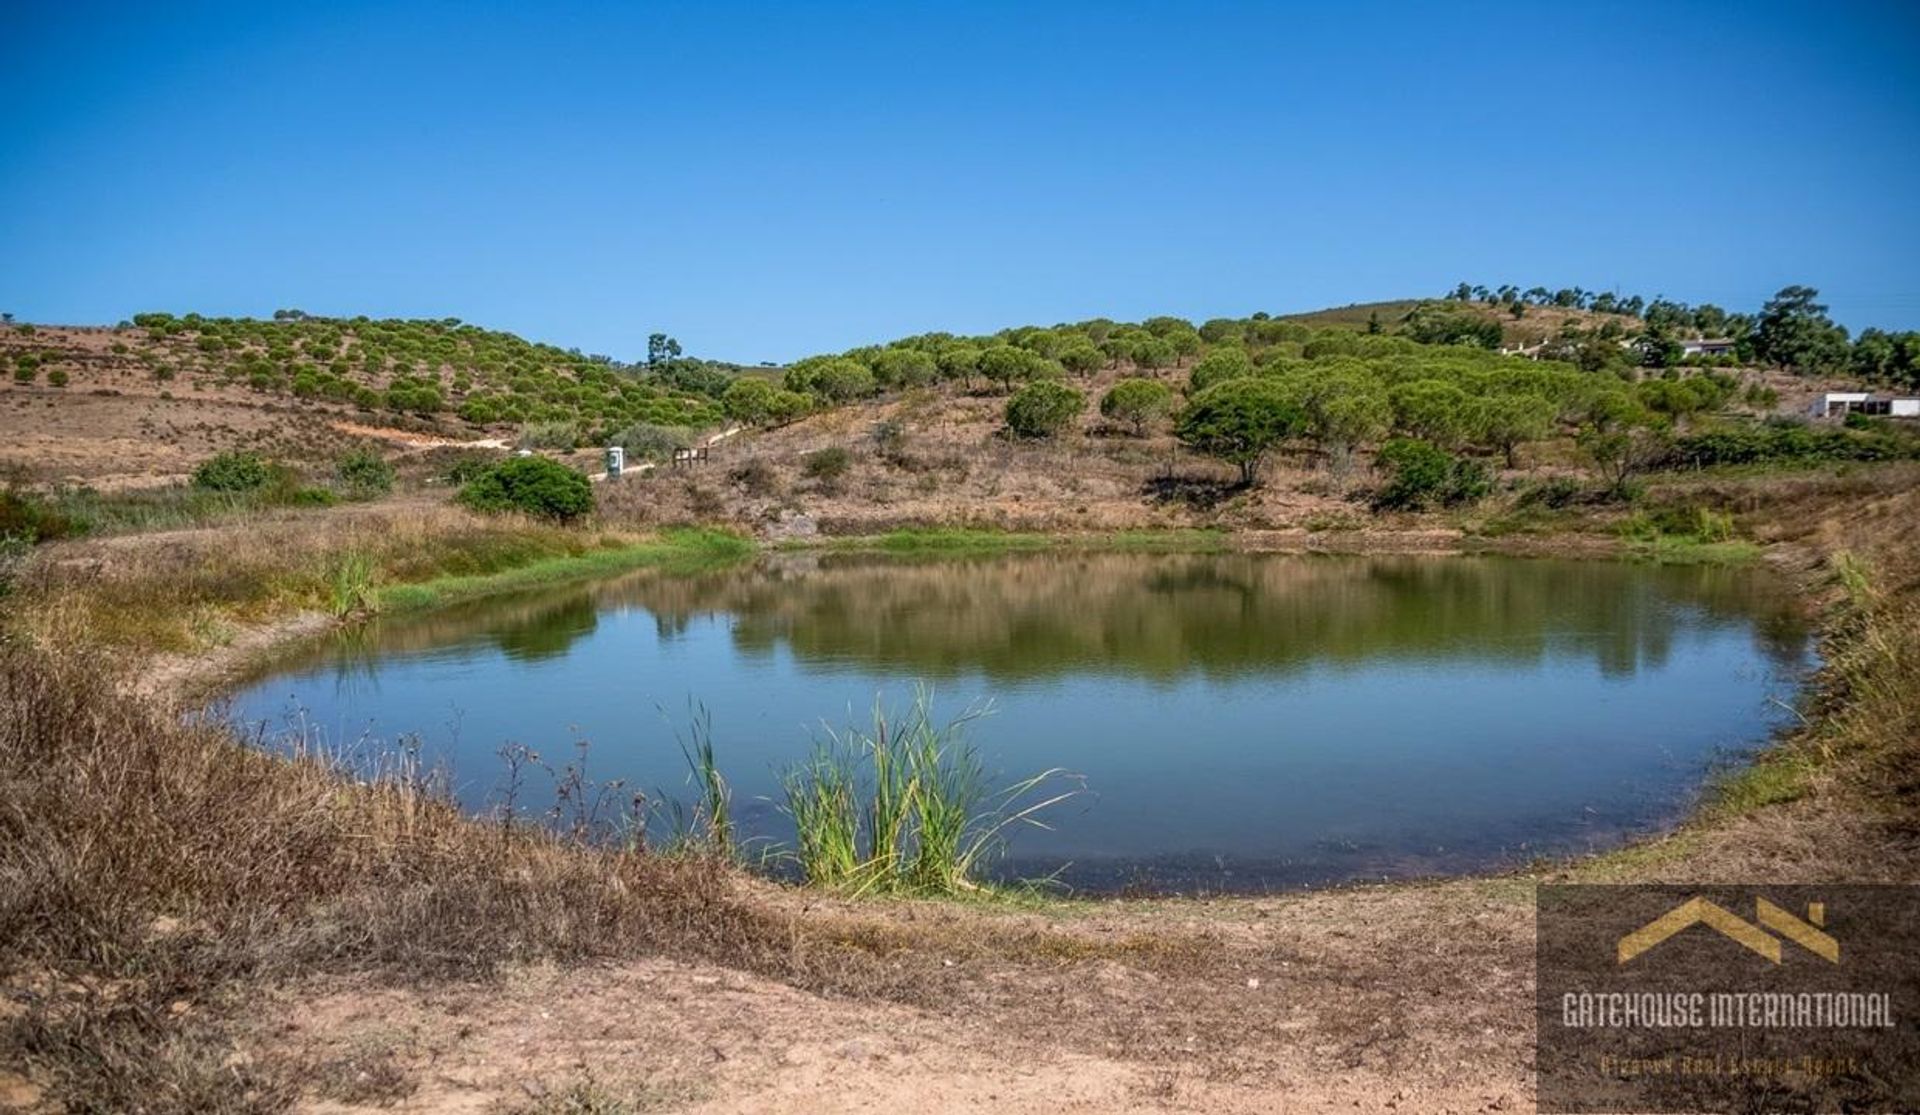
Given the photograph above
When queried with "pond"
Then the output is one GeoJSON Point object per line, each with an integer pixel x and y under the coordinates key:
{"type": "Point", "coordinates": [1240, 721]}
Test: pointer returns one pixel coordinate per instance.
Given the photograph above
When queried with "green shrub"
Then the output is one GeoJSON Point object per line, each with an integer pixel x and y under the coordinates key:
{"type": "Point", "coordinates": [562, 436]}
{"type": "Point", "coordinates": [830, 463]}
{"type": "Point", "coordinates": [31, 518]}
{"type": "Point", "coordinates": [57, 377]}
{"type": "Point", "coordinates": [1421, 475]}
{"type": "Point", "coordinates": [232, 472]}
{"type": "Point", "coordinates": [468, 467]}
{"type": "Point", "coordinates": [365, 474]}
{"type": "Point", "coordinates": [1556, 492]}
{"type": "Point", "coordinates": [531, 485]}
{"type": "Point", "coordinates": [1043, 409]}
{"type": "Point", "coordinates": [1789, 443]}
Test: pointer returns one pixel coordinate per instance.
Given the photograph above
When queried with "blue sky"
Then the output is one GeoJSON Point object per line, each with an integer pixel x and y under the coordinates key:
{"type": "Point", "coordinates": [766, 181]}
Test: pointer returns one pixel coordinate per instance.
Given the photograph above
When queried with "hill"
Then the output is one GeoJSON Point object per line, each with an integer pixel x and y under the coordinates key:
{"type": "Point", "coordinates": [1535, 325]}
{"type": "Point", "coordinates": [142, 402]}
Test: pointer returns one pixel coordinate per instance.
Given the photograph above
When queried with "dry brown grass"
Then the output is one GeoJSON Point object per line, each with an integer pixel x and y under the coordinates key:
{"type": "Point", "coordinates": [938, 457]}
{"type": "Point", "coordinates": [147, 863]}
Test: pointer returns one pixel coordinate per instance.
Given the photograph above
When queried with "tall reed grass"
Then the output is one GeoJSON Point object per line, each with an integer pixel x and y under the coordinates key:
{"type": "Point", "coordinates": [905, 806]}
{"type": "Point", "coordinates": [355, 587]}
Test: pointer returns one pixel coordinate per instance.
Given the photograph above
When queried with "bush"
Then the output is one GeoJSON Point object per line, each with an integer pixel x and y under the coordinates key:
{"type": "Point", "coordinates": [757, 477]}
{"type": "Point", "coordinates": [28, 518]}
{"type": "Point", "coordinates": [1043, 409]}
{"type": "Point", "coordinates": [562, 436]}
{"type": "Point", "coordinates": [1421, 475]}
{"type": "Point", "coordinates": [531, 485]}
{"type": "Point", "coordinates": [1788, 443]}
{"type": "Point", "coordinates": [829, 464]}
{"type": "Point", "coordinates": [469, 467]}
{"type": "Point", "coordinates": [57, 377]}
{"type": "Point", "coordinates": [1555, 493]}
{"type": "Point", "coordinates": [365, 474]}
{"type": "Point", "coordinates": [232, 472]}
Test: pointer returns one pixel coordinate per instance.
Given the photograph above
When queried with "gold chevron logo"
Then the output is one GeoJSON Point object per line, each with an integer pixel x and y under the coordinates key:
{"type": "Point", "coordinates": [1699, 911]}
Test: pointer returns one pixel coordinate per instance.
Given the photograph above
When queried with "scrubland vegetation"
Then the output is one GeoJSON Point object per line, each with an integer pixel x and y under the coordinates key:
{"type": "Point", "coordinates": [434, 367]}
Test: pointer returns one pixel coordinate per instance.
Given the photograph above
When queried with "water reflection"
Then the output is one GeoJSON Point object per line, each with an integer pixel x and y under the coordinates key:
{"type": "Point", "coordinates": [1244, 720]}
{"type": "Point", "coordinates": [1036, 616]}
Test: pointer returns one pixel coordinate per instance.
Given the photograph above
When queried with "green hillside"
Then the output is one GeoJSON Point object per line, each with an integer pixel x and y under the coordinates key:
{"type": "Point", "coordinates": [425, 368]}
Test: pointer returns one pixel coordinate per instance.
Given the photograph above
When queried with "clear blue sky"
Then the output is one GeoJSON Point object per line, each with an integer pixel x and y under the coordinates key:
{"type": "Point", "coordinates": [765, 181]}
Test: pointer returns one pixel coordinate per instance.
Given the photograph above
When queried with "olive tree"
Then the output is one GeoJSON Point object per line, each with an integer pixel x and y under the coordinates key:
{"type": "Point", "coordinates": [1506, 422]}
{"type": "Point", "coordinates": [1623, 443]}
{"type": "Point", "coordinates": [1153, 352]}
{"type": "Point", "coordinates": [1431, 410]}
{"type": "Point", "coordinates": [1082, 358]}
{"type": "Point", "coordinates": [1137, 402]}
{"type": "Point", "coordinates": [959, 362]}
{"type": "Point", "coordinates": [1003, 364]}
{"type": "Point", "coordinates": [903, 367]}
{"type": "Point", "coordinates": [1222, 364]}
{"type": "Point", "coordinates": [836, 379]}
{"type": "Point", "coordinates": [1341, 410]}
{"type": "Point", "coordinates": [749, 400]}
{"type": "Point", "coordinates": [1240, 421]}
{"type": "Point", "coordinates": [1043, 409]}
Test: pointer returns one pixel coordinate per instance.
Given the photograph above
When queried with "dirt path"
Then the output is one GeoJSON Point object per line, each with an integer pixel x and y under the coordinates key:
{"type": "Point", "coordinates": [1255, 1006]}
{"type": "Point", "coordinates": [414, 442]}
{"type": "Point", "coordinates": [1411, 997]}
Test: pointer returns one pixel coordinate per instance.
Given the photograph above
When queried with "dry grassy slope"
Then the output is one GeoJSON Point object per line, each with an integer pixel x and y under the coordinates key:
{"type": "Point", "coordinates": [940, 456]}
{"type": "Point", "coordinates": [116, 425]}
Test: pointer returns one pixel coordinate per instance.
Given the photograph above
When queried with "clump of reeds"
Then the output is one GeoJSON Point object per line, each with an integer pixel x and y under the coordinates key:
{"type": "Point", "coordinates": [355, 586]}
{"type": "Point", "coordinates": [707, 826]}
{"type": "Point", "coordinates": [905, 805]}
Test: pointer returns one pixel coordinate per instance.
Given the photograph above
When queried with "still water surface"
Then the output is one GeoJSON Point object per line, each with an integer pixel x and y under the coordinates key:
{"type": "Point", "coordinates": [1241, 721]}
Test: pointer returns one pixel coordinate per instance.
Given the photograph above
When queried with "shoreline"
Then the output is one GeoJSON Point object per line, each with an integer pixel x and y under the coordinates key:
{"type": "Point", "coordinates": [205, 677]}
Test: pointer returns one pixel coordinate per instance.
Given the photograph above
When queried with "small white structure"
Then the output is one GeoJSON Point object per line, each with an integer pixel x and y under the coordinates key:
{"type": "Point", "coordinates": [616, 461]}
{"type": "Point", "coordinates": [1708, 346]}
{"type": "Point", "coordinates": [1841, 403]}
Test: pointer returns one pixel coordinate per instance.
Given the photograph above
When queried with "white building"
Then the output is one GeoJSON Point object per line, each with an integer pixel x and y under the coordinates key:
{"type": "Point", "coordinates": [1709, 346]}
{"type": "Point", "coordinates": [1840, 403]}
